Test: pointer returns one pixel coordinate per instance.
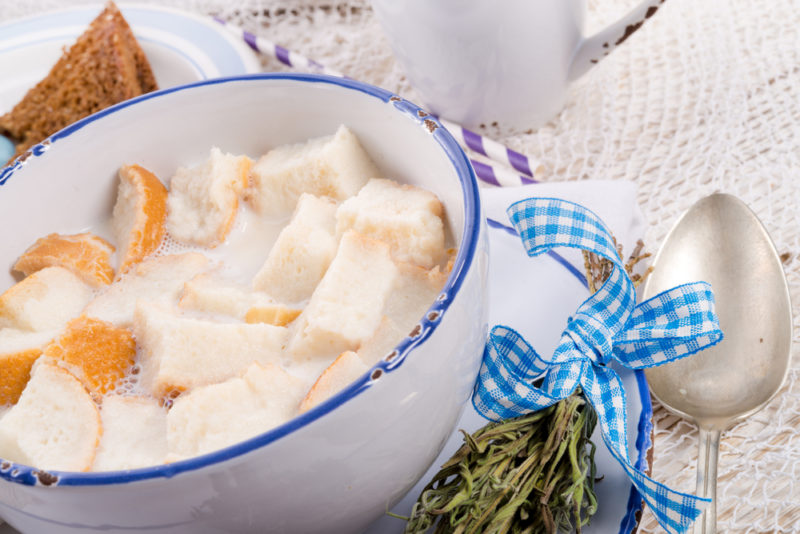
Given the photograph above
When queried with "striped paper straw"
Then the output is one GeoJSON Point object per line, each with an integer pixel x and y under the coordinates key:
{"type": "Point", "coordinates": [493, 150]}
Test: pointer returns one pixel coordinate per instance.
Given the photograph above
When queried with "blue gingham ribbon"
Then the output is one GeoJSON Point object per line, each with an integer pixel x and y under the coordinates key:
{"type": "Point", "coordinates": [609, 324]}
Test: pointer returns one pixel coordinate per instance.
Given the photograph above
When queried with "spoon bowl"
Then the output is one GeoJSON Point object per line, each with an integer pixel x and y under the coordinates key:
{"type": "Point", "coordinates": [721, 241]}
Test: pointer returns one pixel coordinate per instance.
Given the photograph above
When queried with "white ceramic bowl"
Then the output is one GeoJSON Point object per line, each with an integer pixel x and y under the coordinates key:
{"type": "Point", "coordinates": [338, 466]}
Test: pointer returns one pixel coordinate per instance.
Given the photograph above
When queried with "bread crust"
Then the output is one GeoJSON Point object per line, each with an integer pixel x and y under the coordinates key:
{"type": "Point", "coordinates": [98, 353]}
{"type": "Point", "coordinates": [150, 211]}
{"type": "Point", "coordinates": [86, 255]}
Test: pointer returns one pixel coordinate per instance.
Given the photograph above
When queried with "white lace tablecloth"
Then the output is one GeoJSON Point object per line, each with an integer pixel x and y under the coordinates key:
{"type": "Point", "coordinates": [704, 98]}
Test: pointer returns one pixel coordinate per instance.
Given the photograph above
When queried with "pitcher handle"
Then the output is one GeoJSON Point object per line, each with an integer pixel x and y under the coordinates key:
{"type": "Point", "coordinates": [593, 49]}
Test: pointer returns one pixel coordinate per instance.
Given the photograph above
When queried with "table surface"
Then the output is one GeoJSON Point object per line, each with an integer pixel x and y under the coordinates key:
{"type": "Point", "coordinates": [704, 98]}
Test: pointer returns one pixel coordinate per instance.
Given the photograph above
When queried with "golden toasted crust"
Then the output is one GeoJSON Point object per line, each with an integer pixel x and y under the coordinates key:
{"type": "Point", "coordinates": [277, 315]}
{"type": "Point", "coordinates": [97, 353]}
{"type": "Point", "coordinates": [151, 213]}
{"type": "Point", "coordinates": [86, 255]}
{"type": "Point", "coordinates": [344, 369]}
{"type": "Point", "coordinates": [242, 179]}
{"type": "Point", "coordinates": [15, 369]}
{"type": "Point", "coordinates": [105, 66]}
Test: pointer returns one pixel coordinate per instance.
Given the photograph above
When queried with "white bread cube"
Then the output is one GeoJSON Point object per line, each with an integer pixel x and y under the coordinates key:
{"type": "Point", "coordinates": [302, 253]}
{"type": "Point", "coordinates": [19, 349]}
{"type": "Point", "coordinates": [216, 416]}
{"type": "Point", "coordinates": [335, 166]}
{"type": "Point", "coordinates": [134, 434]}
{"type": "Point", "coordinates": [139, 214]}
{"type": "Point", "coordinates": [408, 218]}
{"type": "Point", "coordinates": [414, 291]}
{"type": "Point", "coordinates": [55, 425]}
{"type": "Point", "coordinates": [346, 307]}
{"type": "Point", "coordinates": [45, 300]}
{"type": "Point", "coordinates": [203, 201]}
{"type": "Point", "coordinates": [209, 294]}
{"type": "Point", "coordinates": [158, 279]}
{"type": "Point", "coordinates": [181, 353]}
{"type": "Point", "coordinates": [381, 342]}
{"type": "Point", "coordinates": [339, 374]}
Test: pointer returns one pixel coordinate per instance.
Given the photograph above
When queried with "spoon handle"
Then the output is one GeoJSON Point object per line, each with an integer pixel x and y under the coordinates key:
{"type": "Point", "coordinates": [707, 479]}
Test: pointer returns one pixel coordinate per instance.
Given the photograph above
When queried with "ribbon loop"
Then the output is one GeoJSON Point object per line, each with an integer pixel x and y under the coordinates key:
{"type": "Point", "coordinates": [608, 325]}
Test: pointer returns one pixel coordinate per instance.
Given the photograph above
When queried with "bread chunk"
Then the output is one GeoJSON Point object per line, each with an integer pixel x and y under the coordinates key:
{"type": "Point", "coordinates": [216, 416]}
{"type": "Point", "coordinates": [385, 338]}
{"type": "Point", "coordinates": [346, 307]}
{"type": "Point", "coordinates": [339, 374]}
{"type": "Point", "coordinates": [139, 214]}
{"type": "Point", "coordinates": [86, 255]}
{"type": "Point", "coordinates": [203, 200]}
{"type": "Point", "coordinates": [180, 353]}
{"type": "Point", "coordinates": [335, 166]}
{"type": "Point", "coordinates": [275, 314]}
{"type": "Point", "coordinates": [96, 352]}
{"type": "Point", "coordinates": [302, 253]}
{"type": "Point", "coordinates": [414, 291]}
{"type": "Point", "coordinates": [104, 66]}
{"type": "Point", "coordinates": [45, 300]}
{"type": "Point", "coordinates": [134, 434]}
{"type": "Point", "coordinates": [55, 425]}
{"type": "Point", "coordinates": [408, 218]}
{"type": "Point", "coordinates": [207, 293]}
{"type": "Point", "coordinates": [159, 279]}
{"type": "Point", "coordinates": [18, 350]}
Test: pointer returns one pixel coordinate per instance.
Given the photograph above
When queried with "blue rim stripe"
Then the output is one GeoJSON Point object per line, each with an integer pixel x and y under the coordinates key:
{"type": "Point", "coordinates": [469, 238]}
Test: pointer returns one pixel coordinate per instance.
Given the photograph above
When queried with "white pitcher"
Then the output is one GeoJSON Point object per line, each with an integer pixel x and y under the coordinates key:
{"type": "Point", "coordinates": [480, 61]}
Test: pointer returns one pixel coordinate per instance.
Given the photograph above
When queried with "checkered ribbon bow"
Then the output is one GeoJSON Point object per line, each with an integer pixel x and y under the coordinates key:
{"type": "Point", "coordinates": [609, 324]}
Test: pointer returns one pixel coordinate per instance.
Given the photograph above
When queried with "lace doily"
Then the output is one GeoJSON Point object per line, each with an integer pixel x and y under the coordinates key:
{"type": "Point", "coordinates": [703, 98]}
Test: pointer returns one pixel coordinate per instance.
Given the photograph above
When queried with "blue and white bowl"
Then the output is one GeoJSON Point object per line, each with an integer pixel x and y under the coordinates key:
{"type": "Point", "coordinates": [344, 463]}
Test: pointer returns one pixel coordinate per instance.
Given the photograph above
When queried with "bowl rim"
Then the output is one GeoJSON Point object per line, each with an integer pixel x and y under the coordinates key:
{"type": "Point", "coordinates": [473, 217]}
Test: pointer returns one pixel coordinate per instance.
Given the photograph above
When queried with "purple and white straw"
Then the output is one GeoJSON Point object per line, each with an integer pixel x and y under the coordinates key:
{"type": "Point", "coordinates": [527, 168]}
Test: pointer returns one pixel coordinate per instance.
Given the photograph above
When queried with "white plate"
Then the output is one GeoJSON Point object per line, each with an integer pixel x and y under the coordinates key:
{"type": "Point", "coordinates": [181, 47]}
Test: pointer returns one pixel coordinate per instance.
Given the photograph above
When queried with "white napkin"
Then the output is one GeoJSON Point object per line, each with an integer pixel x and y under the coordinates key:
{"type": "Point", "coordinates": [535, 296]}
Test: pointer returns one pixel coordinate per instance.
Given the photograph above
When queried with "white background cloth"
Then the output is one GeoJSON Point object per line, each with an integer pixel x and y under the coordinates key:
{"type": "Point", "coordinates": [704, 98]}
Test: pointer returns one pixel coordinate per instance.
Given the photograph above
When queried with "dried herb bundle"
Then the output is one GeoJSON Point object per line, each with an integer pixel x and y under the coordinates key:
{"type": "Point", "coordinates": [529, 474]}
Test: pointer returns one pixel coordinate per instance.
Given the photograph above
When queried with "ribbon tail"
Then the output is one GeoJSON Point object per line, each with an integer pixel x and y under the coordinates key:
{"type": "Point", "coordinates": [674, 510]}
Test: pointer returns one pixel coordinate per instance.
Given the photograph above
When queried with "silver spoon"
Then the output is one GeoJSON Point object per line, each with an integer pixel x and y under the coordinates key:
{"type": "Point", "coordinates": [720, 241]}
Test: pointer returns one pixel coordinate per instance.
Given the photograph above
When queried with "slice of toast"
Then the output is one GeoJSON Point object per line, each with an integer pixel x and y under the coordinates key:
{"type": "Point", "coordinates": [96, 352]}
{"type": "Point", "coordinates": [18, 350]}
{"type": "Point", "coordinates": [86, 255]}
{"type": "Point", "coordinates": [105, 66]}
{"type": "Point", "coordinates": [54, 425]}
{"type": "Point", "coordinates": [203, 200]}
{"type": "Point", "coordinates": [134, 434]}
{"type": "Point", "coordinates": [45, 300]}
{"type": "Point", "coordinates": [139, 214]}
{"type": "Point", "coordinates": [335, 166]}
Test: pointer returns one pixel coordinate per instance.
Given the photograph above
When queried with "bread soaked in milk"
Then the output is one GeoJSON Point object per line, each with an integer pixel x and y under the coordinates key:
{"type": "Point", "coordinates": [242, 295]}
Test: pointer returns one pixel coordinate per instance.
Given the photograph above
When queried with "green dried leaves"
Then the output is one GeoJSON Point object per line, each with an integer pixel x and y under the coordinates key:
{"type": "Point", "coordinates": [529, 474]}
